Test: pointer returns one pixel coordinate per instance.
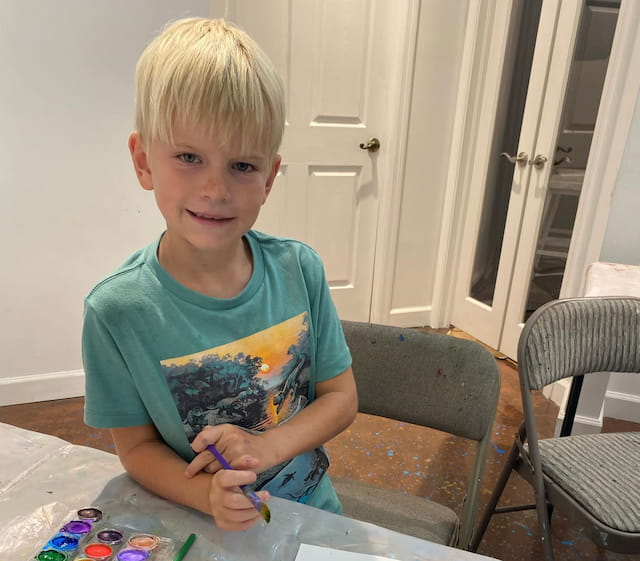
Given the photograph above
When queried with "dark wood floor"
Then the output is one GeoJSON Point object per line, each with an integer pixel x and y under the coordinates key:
{"type": "Point", "coordinates": [401, 456]}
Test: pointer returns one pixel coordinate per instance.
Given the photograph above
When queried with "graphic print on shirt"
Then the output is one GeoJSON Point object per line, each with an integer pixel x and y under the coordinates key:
{"type": "Point", "coordinates": [255, 382]}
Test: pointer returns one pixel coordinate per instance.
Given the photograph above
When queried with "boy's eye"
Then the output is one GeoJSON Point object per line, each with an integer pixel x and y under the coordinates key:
{"type": "Point", "coordinates": [243, 167]}
{"type": "Point", "coordinates": [188, 158]}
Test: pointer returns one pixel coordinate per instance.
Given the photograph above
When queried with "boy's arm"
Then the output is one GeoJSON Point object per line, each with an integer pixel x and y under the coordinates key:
{"type": "Point", "coordinates": [333, 410]}
{"type": "Point", "coordinates": [155, 466]}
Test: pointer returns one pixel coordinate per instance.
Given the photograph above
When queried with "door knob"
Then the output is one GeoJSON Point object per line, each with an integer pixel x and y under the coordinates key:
{"type": "Point", "coordinates": [373, 145]}
{"type": "Point", "coordinates": [520, 159]}
{"type": "Point", "coordinates": [539, 161]}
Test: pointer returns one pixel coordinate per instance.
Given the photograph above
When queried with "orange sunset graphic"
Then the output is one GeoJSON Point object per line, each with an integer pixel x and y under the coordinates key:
{"type": "Point", "coordinates": [254, 382]}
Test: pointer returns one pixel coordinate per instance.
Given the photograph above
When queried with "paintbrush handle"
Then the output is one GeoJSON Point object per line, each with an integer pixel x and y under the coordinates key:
{"type": "Point", "coordinates": [219, 456]}
{"type": "Point", "coordinates": [226, 465]}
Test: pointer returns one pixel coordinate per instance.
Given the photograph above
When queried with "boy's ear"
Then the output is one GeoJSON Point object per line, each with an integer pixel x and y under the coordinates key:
{"type": "Point", "coordinates": [140, 163]}
{"type": "Point", "coordinates": [272, 176]}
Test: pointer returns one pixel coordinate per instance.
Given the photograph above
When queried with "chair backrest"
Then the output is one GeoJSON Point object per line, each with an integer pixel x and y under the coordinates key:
{"type": "Point", "coordinates": [575, 336]}
{"type": "Point", "coordinates": [427, 379]}
{"type": "Point", "coordinates": [432, 380]}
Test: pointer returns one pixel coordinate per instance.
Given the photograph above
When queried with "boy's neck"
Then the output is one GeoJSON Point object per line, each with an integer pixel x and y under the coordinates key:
{"type": "Point", "coordinates": [219, 276]}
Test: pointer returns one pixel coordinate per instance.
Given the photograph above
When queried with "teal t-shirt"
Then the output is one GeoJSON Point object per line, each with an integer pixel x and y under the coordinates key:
{"type": "Point", "coordinates": [157, 352]}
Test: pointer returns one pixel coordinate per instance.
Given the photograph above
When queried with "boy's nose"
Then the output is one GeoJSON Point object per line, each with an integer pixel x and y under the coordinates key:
{"type": "Point", "coordinates": [215, 188]}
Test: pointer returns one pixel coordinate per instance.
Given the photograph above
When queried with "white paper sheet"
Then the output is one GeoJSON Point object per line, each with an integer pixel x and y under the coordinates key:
{"type": "Point", "coordinates": [309, 552]}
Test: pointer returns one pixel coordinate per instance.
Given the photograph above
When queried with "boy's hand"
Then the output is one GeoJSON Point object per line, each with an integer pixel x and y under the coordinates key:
{"type": "Point", "coordinates": [236, 445]}
{"type": "Point", "coordinates": [230, 508]}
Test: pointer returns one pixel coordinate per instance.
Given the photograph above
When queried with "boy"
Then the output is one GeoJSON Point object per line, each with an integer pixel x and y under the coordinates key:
{"type": "Point", "coordinates": [214, 333]}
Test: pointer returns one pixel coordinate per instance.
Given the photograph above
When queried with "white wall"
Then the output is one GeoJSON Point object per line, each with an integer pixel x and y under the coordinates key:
{"type": "Point", "coordinates": [71, 207]}
{"type": "Point", "coordinates": [622, 245]}
{"type": "Point", "coordinates": [622, 238]}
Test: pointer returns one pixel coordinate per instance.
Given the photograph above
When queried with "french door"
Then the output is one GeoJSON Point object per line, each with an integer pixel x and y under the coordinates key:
{"type": "Point", "coordinates": [539, 99]}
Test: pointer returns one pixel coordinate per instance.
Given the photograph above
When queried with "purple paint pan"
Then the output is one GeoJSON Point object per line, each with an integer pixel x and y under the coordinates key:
{"type": "Point", "coordinates": [110, 536]}
{"type": "Point", "coordinates": [133, 555]}
{"type": "Point", "coordinates": [77, 527]}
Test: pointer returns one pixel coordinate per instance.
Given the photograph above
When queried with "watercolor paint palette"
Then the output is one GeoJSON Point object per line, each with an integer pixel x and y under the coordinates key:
{"type": "Point", "coordinates": [89, 536]}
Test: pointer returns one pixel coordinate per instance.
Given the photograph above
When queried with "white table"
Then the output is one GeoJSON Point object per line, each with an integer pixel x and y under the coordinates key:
{"type": "Point", "coordinates": [43, 480]}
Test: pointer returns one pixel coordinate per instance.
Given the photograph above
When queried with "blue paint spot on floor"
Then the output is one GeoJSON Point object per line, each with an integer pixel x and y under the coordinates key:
{"type": "Point", "coordinates": [498, 450]}
{"type": "Point", "coordinates": [390, 453]}
{"type": "Point", "coordinates": [565, 542]}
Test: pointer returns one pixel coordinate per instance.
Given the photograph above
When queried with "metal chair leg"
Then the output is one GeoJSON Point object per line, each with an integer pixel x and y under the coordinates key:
{"type": "Point", "coordinates": [541, 505]}
{"type": "Point", "coordinates": [544, 525]}
{"type": "Point", "coordinates": [495, 497]}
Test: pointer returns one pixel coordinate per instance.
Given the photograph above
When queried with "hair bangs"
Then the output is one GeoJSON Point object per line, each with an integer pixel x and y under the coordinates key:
{"type": "Point", "coordinates": [213, 75]}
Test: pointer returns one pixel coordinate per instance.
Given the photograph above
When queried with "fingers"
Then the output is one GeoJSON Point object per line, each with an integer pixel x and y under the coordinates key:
{"type": "Point", "coordinates": [208, 435]}
{"type": "Point", "coordinates": [245, 462]}
{"type": "Point", "coordinates": [205, 461]}
{"type": "Point", "coordinates": [232, 442]}
{"type": "Point", "coordinates": [231, 509]}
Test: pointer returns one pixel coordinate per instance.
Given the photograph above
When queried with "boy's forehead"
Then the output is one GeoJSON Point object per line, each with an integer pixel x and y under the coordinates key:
{"type": "Point", "coordinates": [201, 134]}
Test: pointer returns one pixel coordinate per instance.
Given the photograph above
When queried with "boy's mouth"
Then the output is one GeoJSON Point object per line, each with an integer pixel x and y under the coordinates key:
{"type": "Point", "coordinates": [210, 217]}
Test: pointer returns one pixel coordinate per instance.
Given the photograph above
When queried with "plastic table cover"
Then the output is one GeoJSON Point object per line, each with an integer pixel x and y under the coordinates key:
{"type": "Point", "coordinates": [45, 480]}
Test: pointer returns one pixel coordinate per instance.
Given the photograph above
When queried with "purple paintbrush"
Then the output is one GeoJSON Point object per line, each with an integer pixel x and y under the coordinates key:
{"type": "Point", "coordinates": [259, 505]}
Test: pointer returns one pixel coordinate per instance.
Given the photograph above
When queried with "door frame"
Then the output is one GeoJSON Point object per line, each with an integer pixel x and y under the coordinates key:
{"type": "Point", "coordinates": [617, 106]}
{"type": "Point", "coordinates": [392, 172]}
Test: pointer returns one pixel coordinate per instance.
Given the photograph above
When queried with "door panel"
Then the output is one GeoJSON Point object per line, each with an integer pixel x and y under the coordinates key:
{"type": "Point", "coordinates": [548, 226]}
{"type": "Point", "coordinates": [548, 122]}
{"type": "Point", "coordinates": [561, 105]}
{"type": "Point", "coordinates": [513, 86]}
{"type": "Point", "coordinates": [327, 194]}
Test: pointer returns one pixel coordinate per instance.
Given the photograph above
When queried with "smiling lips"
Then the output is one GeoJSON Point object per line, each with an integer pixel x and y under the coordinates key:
{"type": "Point", "coordinates": [208, 217]}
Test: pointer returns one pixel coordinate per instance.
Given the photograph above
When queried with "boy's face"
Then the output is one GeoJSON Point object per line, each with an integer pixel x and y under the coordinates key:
{"type": "Point", "coordinates": [210, 195]}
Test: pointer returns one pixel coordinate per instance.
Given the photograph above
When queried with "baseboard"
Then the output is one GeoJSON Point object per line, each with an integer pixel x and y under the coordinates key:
{"type": "Point", "coordinates": [581, 425]}
{"type": "Point", "coordinates": [41, 387]}
{"type": "Point", "coordinates": [625, 406]}
{"type": "Point", "coordinates": [559, 394]}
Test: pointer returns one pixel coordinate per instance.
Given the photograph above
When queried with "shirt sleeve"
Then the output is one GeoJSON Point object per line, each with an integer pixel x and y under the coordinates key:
{"type": "Point", "coordinates": [111, 397]}
{"type": "Point", "coordinates": [332, 353]}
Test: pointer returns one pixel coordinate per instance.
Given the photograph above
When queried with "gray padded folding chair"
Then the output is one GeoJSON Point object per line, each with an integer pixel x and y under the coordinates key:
{"type": "Point", "coordinates": [427, 379]}
{"type": "Point", "coordinates": [594, 479]}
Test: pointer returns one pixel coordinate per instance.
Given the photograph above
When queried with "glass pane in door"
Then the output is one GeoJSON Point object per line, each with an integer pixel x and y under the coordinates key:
{"type": "Point", "coordinates": [513, 92]}
{"type": "Point", "coordinates": [582, 100]}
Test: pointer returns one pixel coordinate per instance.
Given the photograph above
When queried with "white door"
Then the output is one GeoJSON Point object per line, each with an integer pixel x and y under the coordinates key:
{"type": "Point", "coordinates": [525, 173]}
{"type": "Point", "coordinates": [336, 59]}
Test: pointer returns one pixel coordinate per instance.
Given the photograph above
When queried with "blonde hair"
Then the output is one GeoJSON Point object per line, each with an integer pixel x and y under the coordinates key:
{"type": "Point", "coordinates": [209, 72]}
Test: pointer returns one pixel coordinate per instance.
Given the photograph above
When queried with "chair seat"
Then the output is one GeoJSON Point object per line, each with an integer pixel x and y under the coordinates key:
{"type": "Point", "coordinates": [601, 472]}
{"type": "Point", "coordinates": [403, 513]}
